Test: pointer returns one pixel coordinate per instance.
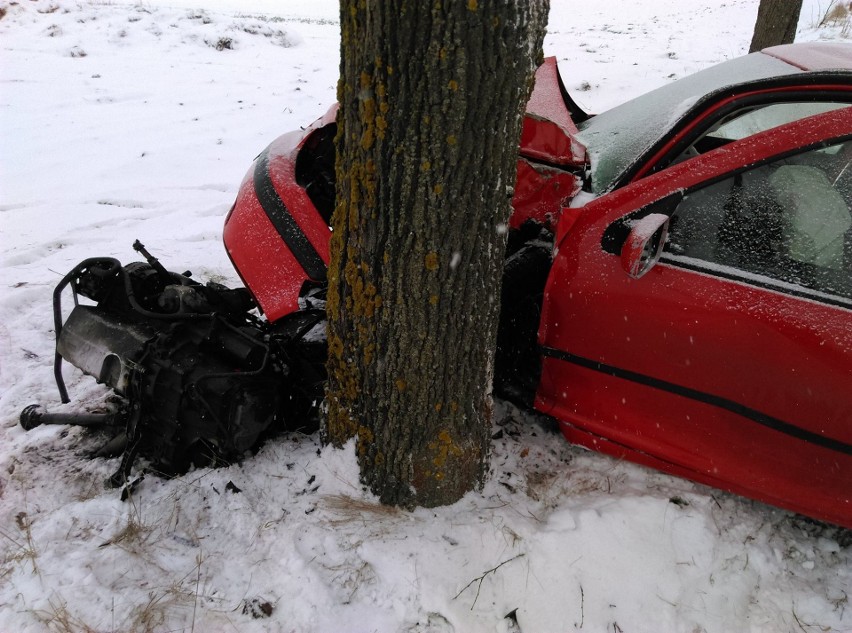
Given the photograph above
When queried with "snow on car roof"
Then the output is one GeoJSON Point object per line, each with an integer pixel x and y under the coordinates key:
{"type": "Point", "coordinates": [615, 139]}
{"type": "Point", "coordinates": [821, 56]}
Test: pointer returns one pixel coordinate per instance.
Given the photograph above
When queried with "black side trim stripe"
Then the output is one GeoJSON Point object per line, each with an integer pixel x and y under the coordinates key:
{"type": "Point", "coordinates": [706, 398]}
{"type": "Point", "coordinates": [284, 223]}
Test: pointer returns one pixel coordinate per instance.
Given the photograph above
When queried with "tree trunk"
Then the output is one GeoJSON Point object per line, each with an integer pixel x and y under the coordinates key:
{"type": "Point", "coordinates": [431, 102]}
{"type": "Point", "coordinates": [776, 23]}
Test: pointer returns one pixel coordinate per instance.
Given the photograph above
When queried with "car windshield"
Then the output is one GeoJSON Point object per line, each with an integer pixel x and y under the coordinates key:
{"type": "Point", "coordinates": [615, 139]}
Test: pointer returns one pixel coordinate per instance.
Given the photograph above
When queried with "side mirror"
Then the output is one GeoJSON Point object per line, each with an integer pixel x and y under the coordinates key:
{"type": "Point", "coordinates": [644, 244]}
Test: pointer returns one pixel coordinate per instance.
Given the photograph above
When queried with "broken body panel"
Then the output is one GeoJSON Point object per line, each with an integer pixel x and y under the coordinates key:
{"type": "Point", "coordinates": [278, 240]}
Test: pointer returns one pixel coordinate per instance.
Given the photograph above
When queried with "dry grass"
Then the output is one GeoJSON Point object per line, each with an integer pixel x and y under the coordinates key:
{"type": "Point", "coordinates": [351, 509]}
{"type": "Point", "coordinates": [149, 617]}
{"type": "Point", "coordinates": [61, 620]}
{"type": "Point", "coordinates": [133, 535]}
{"type": "Point", "coordinates": [181, 595]}
{"type": "Point", "coordinates": [136, 533]}
{"type": "Point", "coordinates": [154, 614]}
{"type": "Point", "coordinates": [23, 543]}
{"type": "Point", "coordinates": [836, 12]}
{"type": "Point", "coordinates": [25, 552]}
{"type": "Point", "coordinates": [839, 13]}
{"type": "Point", "coordinates": [349, 577]}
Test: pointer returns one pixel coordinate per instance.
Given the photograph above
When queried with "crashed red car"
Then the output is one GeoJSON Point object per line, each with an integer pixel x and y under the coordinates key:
{"type": "Point", "coordinates": [685, 260]}
{"type": "Point", "coordinates": [697, 317]}
{"type": "Point", "coordinates": [677, 290]}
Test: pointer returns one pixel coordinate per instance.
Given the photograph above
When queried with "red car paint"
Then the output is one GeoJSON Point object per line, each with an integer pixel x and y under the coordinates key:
{"type": "Point", "coordinates": [268, 264]}
{"type": "Point", "coordinates": [691, 373]}
{"type": "Point", "coordinates": [548, 133]}
{"type": "Point", "coordinates": [723, 381]}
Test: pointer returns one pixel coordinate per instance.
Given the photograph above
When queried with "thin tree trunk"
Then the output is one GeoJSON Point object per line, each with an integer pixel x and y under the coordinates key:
{"type": "Point", "coordinates": [431, 98]}
{"type": "Point", "coordinates": [776, 23]}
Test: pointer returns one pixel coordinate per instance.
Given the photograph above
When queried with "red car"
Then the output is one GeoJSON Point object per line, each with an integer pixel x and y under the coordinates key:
{"type": "Point", "coordinates": [697, 317]}
{"type": "Point", "coordinates": [685, 260]}
{"type": "Point", "coordinates": [677, 289]}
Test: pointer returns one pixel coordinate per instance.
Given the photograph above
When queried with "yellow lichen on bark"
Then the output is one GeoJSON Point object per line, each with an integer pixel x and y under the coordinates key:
{"type": "Point", "coordinates": [364, 300]}
{"type": "Point", "coordinates": [364, 438]}
{"type": "Point", "coordinates": [381, 125]}
{"type": "Point", "coordinates": [443, 448]}
{"type": "Point", "coordinates": [368, 118]}
{"type": "Point", "coordinates": [431, 261]}
{"type": "Point", "coordinates": [339, 420]}
{"type": "Point", "coordinates": [362, 191]}
{"type": "Point", "coordinates": [371, 112]}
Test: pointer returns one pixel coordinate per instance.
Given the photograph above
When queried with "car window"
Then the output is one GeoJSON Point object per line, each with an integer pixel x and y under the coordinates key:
{"type": "Point", "coordinates": [753, 120]}
{"type": "Point", "coordinates": [615, 139]}
{"type": "Point", "coordinates": [787, 223]}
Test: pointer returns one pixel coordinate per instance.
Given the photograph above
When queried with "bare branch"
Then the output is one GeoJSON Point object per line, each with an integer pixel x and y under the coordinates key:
{"type": "Point", "coordinates": [479, 579]}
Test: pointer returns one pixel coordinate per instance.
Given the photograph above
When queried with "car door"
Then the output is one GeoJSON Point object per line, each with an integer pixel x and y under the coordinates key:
{"type": "Point", "coordinates": [730, 360]}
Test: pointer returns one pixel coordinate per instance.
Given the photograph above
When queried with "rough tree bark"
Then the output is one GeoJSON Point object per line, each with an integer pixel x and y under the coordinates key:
{"type": "Point", "coordinates": [776, 23]}
{"type": "Point", "coordinates": [431, 101]}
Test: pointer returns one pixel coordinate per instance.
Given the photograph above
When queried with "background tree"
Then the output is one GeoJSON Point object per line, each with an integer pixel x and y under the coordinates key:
{"type": "Point", "coordinates": [431, 102]}
{"type": "Point", "coordinates": [776, 23]}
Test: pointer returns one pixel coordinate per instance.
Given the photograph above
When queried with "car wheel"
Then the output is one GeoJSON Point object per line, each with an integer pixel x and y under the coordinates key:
{"type": "Point", "coordinates": [517, 366]}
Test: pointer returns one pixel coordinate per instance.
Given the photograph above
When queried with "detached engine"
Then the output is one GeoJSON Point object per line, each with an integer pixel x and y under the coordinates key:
{"type": "Point", "coordinates": [201, 377]}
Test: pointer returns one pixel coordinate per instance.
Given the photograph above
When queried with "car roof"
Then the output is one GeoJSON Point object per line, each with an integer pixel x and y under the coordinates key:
{"type": "Point", "coordinates": [616, 139]}
{"type": "Point", "coordinates": [814, 56]}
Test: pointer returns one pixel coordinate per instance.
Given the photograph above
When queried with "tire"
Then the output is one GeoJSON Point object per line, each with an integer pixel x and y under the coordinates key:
{"type": "Point", "coordinates": [517, 365]}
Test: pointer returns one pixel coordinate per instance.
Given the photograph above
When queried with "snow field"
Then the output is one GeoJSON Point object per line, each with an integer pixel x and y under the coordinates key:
{"type": "Point", "coordinates": [124, 120]}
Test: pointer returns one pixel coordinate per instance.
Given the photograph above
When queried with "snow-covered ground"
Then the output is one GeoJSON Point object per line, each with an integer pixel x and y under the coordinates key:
{"type": "Point", "coordinates": [124, 120]}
